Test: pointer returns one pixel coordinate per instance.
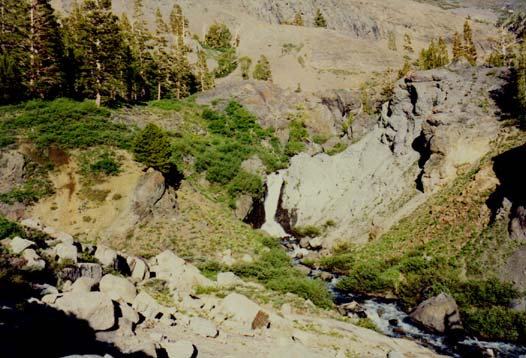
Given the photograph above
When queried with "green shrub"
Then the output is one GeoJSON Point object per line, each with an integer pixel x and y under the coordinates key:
{"type": "Point", "coordinates": [152, 148]}
{"type": "Point", "coordinates": [314, 290]}
{"type": "Point", "coordinates": [262, 70]}
{"type": "Point", "coordinates": [65, 123]}
{"type": "Point", "coordinates": [9, 229]}
{"type": "Point", "coordinates": [340, 264]}
{"type": "Point", "coordinates": [369, 278]}
{"type": "Point", "coordinates": [106, 164]}
{"type": "Point", "coordinates": [167, 105]}
{"type": "Point", "coordinates": [307, 231]}
{"type": "Point", "coordinates": [247, 183]}
{"type": "Point", "coordinates": [226, 63]}
{"type": "Point", "coordinates": [495, 323]}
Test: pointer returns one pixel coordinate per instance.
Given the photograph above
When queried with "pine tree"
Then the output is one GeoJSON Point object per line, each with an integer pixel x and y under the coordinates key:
{"type": "Point", "coordinates": [408, 43]}
{"type": "Point", "coordinates": [14, 30]}
{"type": "Point", "coordinates": [178, 25]}
{"type": "Point", "coordinates": [245, 63]}
{"type": "Point", "coordinates": [204, 77]}
{"type": "Point", "coordinates": [152, 147]}
{"type": "Point", "coordinates": [469, 48]}
{"type": "Point", "coordinates": [262, 70]}
{"type": "Point", "coordinates": [45, 75]}
{"type": "Point", "coordinates": [319, 19]}
{"type": "Point", "coordinates": [98, 45]}
{"type": "Point", "coordinates": [520, 69]}
{"type": "Point", "coordinates": [391, 41]}
{"type": "Point", "coordinates": [161, 25]}
{"type": "Point", "coordinates": [218, 36]}
{"type": "Point", "coordinates": [298, 19]}
{"type": "Point", "coordinates": [405, 69]}
{"type": "Point", "coordinates": [11, 88]}
{"type": "Point", "coordinates": [457, 47]}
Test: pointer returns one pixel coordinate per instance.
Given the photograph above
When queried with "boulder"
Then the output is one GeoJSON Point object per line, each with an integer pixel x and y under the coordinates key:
{"type": "Point", "coordinates": [316, 243]}
{"type": "Point", "coordinates": [239, 308]}
{"type": "Point", "coordinates": [439, 314]}
{"type": "Point", "coordinates": [150, 308]}
{"type": "Point", "coordinates": [94, 307]}
{"type": "Point", "coordinates": [180, 349]}
{"type": "Point", "coordinates": [228, 279]}
{"type": "Point", "coordinates": [118, 288]}
{"type": "Point", "coordinates": [90, 270]}
{"type": "Point", "coordinates": [247, 259]}
{"type": "Point", "coordinates": [18, 244]}
{"type": "Point", "coordinates": [129, 313]}
{"type": "Point", "coordinates": [243, 206]}
{"type": "Point", "coordinates": [106, 256]}
{"type": "Point", "coordinates": [83, 284]}
{"type": "Point", "coordinates": [33, 261]}
{"type": "Point", "coordinates": [203, 327]}
{"type": "Point", "coordinates": [66, 252]}
{"type": "Point", "coordinates": [395, 354]}
{"type": "Point", "coordinates": [32, 224]}
{"type": "Point", "coordinates": [138, 267]}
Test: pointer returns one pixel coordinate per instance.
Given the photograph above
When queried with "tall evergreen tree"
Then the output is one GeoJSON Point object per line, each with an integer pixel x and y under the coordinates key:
{"type": "Point", "coordinates": [319, 19]}
{"type": "Point", "coordinates": [97, 43]}
{"type": "Point", "coordinates": [45, 73]}
{"type": "Point", "coordinates": [179, 26]}
{"type": "Point", "coordinates": [14, 30]}
{"type": "Point", "coordinates": [470, 50]}
{"type": "Point", "coordinates": [457, 47]}
{"type": "Point", "coordinates": [245, 63]}
{"type": "Point", "coordinates": [408, 43]}
{"type": "Point", "coordinates": [204, 77]}
{"type": "Point", "coordinates": [520, 69]}
{"type": "Point", "coordinates": [443, 54]}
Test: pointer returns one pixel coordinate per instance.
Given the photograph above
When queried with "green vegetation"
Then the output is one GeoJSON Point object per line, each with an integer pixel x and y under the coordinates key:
{"type": "Point", "coordinates": [151, 147]}
{"type": "Point", "coordinates": [63, 122]}
{"type": "Point", "coordinates": [244, 64]}
{"type": "Point", "coordinates": [319, 19]}
{"type": "Point", "coordinates": [9, 229]}
{"type": "Point", "coordinates": [262, 70]}
{"type": "Point", "coordinates": [275, 269]}
{"type": "Point", "coordinates": [435, 56]}
{"type": "Point", "coordinates": [227, 63]}
{"type": "Point", "coordinates": [297, 136]}
{"type": "Point", "coordinates": [307, 231]}
{"type": "Point", "coordinates": [218, 36]}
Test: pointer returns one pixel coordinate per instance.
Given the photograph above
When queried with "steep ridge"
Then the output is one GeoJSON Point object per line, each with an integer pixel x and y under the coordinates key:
{"type": "Point", "coordinates": [438, 123]}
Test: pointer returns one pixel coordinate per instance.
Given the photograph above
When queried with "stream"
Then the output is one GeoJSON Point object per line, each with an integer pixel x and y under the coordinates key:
{"type": "Point", "coordinates": [387, 316]}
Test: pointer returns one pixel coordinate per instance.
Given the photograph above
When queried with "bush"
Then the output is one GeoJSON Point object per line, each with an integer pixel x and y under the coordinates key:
{"type": "Point", "coordinates": [226, 63]}
{"type": "Point", "coordinates": [152, 148]}
{"type": "Point", "coordinates": [369, 278]}
{"type": "Point", "coordinates": [106, 164]}
{"type": "Point", "coordinates": [218, 36]}
{"type": "Point", "coordinates": [65, 123]}
{"type": "Point", "coordinates": [307, 231]}
{"type": "Point", "coordinates": [339, 264]}
{"type": "Point", "coordinates": [9, 229]}
{"type": "Point", "coordinates": [247, 183]}
{"type": "Point", "coordinates": [275, 270]}
{"type": "Point", "coordinates": [496, 323]}
{"type": "Point", "coordinates": [262, 70]}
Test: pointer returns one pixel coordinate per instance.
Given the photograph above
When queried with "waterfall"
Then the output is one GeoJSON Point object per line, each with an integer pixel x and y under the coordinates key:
{"type": "Point", "coordinates": [274, 184]}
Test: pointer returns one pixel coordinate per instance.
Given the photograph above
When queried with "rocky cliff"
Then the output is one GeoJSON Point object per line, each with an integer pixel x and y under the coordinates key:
{"type": "Point", "coordinates": [438, 123]}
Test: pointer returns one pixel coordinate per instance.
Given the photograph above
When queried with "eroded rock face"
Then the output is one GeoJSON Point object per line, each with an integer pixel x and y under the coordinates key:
{"type": "Point", "coordinates": [437, 122]}
{"type": "Point", "coordinates": [439, 314]}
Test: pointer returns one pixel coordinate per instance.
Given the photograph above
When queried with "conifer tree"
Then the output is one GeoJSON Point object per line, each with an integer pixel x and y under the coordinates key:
{"type": "Point", "coordinates": [319, 19]}
{"type": "Point", "coordinates": [14, 29]}
{"type": "Point", "coordinates": [179, 26]}
{"type": "Point", "coordinates": [457, 47]}
{"type": "Point", "coordinates": [405, 69]}
{"type": "Point", "coordinates": [218, 36]}
{"type": "Point", "coordinates": [98, 46]}
{"type": "Point", "coordinates": [469, 48]}
{"type": "Point", "coordinates": [204, 77]}
{"type": "Point", "coordinates": [520, 69]}
{"type": "Point", "coordinates": [161, 25]}
{"type": "Point", "coordinates": [298, 19]}
{"type": "Point", "coordinates": [152, 147]}
{"type": "Point", "coordinates": [262, 70]}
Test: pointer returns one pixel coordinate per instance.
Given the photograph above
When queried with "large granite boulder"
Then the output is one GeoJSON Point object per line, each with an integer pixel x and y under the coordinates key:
{"type": "Point", "coordinates": [438, 314]}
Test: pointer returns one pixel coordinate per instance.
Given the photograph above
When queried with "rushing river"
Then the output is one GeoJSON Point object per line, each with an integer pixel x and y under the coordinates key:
{"type": "Point", "coordinates": [388, 317]}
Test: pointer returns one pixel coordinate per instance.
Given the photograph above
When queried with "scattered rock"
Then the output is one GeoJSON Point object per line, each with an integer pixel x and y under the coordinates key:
{"type": "Point", "coordinates": [193, 303]}
{"type": "Point", "coordinates": [66, 252]}
{"type": "Point", "coordinates": [34, 262]}
{"type": "Point", "coordinates": [240, 309]}
{"type": "Point", "coordinates": [326, 276]}
{"type": "Point", "coordinates": [247, 259]}
{"type": "Point", "coordinates": [286, 309]}
{"type": "Point", "coordinates": [33, 224]}
{"type": "Point", "coordinates": [90, 270]}
{"type": "Point", "coordinates": [395, 354]}
{"type": "Point", "coordinates": [118, 288]}
{"type": "Point", "coordinates": [138, 267]}
{"type": "Point", "coordinates": [244, 205]}
{"type": "Point", "coordinates": [228, 279]}
{"type": "Point", "coordinates": [304, 243]}
{"type": "Point", "coordinates": [262, 320]}
{"type": "Point", "coordinates": [94, 307]}
{"type": "Point", "coordinates": [180, 349]}
{"type": "Point", "coordinates": [315, 243]}
{"type": "Point", "coordinates": [439, 313]}
{"type": "Point", "coordinates": [83, 284]}
{"type": "Point", "coordinates": [106, 256]}
{"type": "Point", "coordinates": [129, 313]}
{"type": "Point", "coordinates": [203, 327]}
{"type": "Point", "coordinates": [18, 244]}
{"type": "Point", "coordinates": [304, 269]}
{"type": "Point", "coordinates": [149, 307]}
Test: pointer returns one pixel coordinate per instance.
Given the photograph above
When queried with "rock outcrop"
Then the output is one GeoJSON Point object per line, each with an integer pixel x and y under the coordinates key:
{"type": "Point", "coordinates": [438, 122]}
{"type": "Point", "coordinates": [439, 314]}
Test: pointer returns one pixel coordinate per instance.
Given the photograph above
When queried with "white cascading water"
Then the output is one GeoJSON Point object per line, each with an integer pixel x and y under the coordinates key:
{"type": "Point", "coordinates": [274, 184]}
{"type": "Point", "coordinates": [389, 311]}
